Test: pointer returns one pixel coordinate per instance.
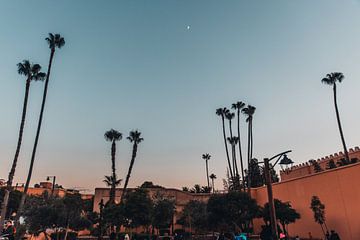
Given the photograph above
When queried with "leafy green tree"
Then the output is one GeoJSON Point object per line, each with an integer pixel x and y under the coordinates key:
{"type": "Point", "coordinates": [194, 216]}
{"type": "Point", "coordinates": [285, 214]}
{"type": "Point", "coordinates": [185, 189]}
{"type": "Point", "coordinates": [112, 136]}
{"type": "Point", "coordinates": [331, 79]}
{"type": "Point", "coordinates": [207, 157]}
{"type": "Point", "coordinates": [13, 202]}
{"type": "Point", "coordinates": [222, 113]}
{"type": "Point", "coordinates": [238, 106]}
{"type": "Point", "coordinates": [331, 164]}
{"type": "Point", "coordinates": [163, 212]}
{"type": "Point", "coordinates": [135, 138]}
{"type": "Point", "coordinates": [227, 212]}
{"type": "Point", "coordinates": [249, 112]}
{"type": "Point", "coordinates": [113, 215]}
{"type": "Point", "coordinates": [54, 41]}
{"type": "Point", "coordinates": [148, 184]}
{"type": "Point", "coordinates": [256, 179]}
{"type": "Point", "coordinates": [32, 72]}
{"type": "Point", "coordinates": [318, 209]}
{"type": "Point", "coordinates": [138, 208]}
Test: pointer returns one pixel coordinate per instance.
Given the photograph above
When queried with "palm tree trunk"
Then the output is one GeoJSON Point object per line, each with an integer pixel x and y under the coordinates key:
{"type": "Point", "coordinates": [340, 128]}
{"type": "Point", "coordinates": [129, 171]}
{"type": "Point", "coordinates": [226, 148]}
{"type": "Point", "coordinates": [23, 197]}
{"type": "Point", "coordinates": [240, 153]}
{"type": "Point", "coordinates": [13, 167]}
{"type": "Point", "coordinates": [112, 190]}
{"type": "Point", "coordinates": [207, 173]}
{"type": "Point", "coordinates": [235, 170]}
{"type": "Point", "coordinates": [213, 186]}
{"type": "Point", "coordinates": [248, 153]}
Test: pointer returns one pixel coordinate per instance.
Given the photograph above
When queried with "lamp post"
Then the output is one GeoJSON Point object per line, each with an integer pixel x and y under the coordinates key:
{"type": "Point", "coordinates": [284, 161]}
{"type": "Point", "coordinates": [53, 183]}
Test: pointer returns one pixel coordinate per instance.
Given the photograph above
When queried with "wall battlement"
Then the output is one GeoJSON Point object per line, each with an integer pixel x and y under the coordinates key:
{"type": "Point", "coordinates": [307, 168]}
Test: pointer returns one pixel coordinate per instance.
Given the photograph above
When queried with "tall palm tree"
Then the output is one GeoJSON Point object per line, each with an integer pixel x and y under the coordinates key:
{"type": "Point", "coordinates": [207, 157]}
{"type": "Point", "coordinates": [54, 41]}
{"type": "Point", "coordinates": [113, 136]}
{"type": "Point", "coordinates": [230, 116]}
{"type": "Point", "coordinates": [331, 79]}
{"type": "Point", "coordinates": [249, 112]}
{"type": "Point", "coordinates": [238, 106]}
{"type": "Point", "coordinates": [222, 113]}
{"type": "Point", "coordinates": [134, 137]}
{"type": "Point", "coordinates": [32, 72]}
{"type": "Point", "coordinates": [213, 177]}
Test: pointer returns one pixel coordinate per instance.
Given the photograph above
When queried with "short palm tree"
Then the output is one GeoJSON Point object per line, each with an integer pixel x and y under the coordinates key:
{"type": "Point", "coordinates": [249, 112]}
{"type": "Point", "coordinates": [331, 79]}
{"type": "Point", "coordinates": [134, 137]}
{"type": "Point", "coordinates": [213, 177]}
{"type": "Point", "coordinates": [238, 106]}
{"type": "Point", "coordinates": [207, 157]}
{"type": "Point", "coordinates": [113, 136]}
{"type": "Point", "coordinates": [112, 182]}
{"type": "Point", "coordinates": [222, 113]}
{"type": "Point", "coordinates": [54, 41]}
{"type": "Point", "coordinates": [32, 72]}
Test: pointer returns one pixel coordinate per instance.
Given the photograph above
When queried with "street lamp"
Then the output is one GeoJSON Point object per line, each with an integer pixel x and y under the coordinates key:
{"type": "Point", "coordinates": [53, 183]}
{"type": "Point", "coordinates": [284, 162]}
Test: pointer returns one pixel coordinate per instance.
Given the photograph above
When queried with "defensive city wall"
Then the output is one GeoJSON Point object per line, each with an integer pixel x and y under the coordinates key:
{"type": "Point", "coordinates": [337, 188]}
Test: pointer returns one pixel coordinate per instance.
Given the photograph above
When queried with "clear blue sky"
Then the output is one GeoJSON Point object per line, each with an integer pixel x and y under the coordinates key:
{"type": "Point", "coordinates": [135, 65]}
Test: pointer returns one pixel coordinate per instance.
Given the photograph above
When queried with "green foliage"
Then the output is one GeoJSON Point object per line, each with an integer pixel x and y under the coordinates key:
{"type": "Point", "coordinates": [47, 212]}
{"type": "Point", "coordinates": [113, 215]}
{"type": "Point", "coordinates": [194, 215]}
{"type": "Point", "coordinates": [232, 210]}
{"type": "Point", "coordinates": [285, 214]}
{"type": "Point", "coordinates": [198, 189]}
{"type": "Point", "coordinates": [318, 209]}
{"type": "Point", "coordinates": [163, 212]}
{"type": "Point", "coordinates": [148, 184]}
{"type": "Point", "coordinates": [138, 208]}
{"type": "Point", "coordinates": [14, 201]}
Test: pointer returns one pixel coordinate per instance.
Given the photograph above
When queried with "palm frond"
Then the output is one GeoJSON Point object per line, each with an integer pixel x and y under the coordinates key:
{"type": "Point", "coordinates": [112, 135]}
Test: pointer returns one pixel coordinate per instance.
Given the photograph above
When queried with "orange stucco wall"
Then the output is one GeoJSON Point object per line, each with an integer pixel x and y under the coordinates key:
{"type": "Point", "coordinates": [338, 189]}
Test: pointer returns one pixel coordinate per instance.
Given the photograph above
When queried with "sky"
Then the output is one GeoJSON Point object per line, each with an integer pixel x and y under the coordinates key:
{"type": "Point", "coordinates": [163, 67]}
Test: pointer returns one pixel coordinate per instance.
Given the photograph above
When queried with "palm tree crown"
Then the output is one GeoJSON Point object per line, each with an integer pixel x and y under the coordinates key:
{"type": "Point", "coordinates": [134, 137]}
{"type": "Point", "coordinates": [55, 40]}
{"type": "Point", "coordinates": [212, 176]}
{"type": "Point", "coordinates": [31, 71]}
{"type": "Point", "coordinates": [112, 135]}
{"type": "Point", "coordinates": [332, 78]}
{"type": "Point", "coordinates": [229, 115]}
{"type": "Point", "coordinates": [238, 105]}
{"type": "Point", "coordinates": [112, 181]}
{"type": "Point", "coordinates": [206, 156]}
{"type": "Point", "coordinates": [249, 111]}
{"type": "Point", "coordinates": [233, 140]}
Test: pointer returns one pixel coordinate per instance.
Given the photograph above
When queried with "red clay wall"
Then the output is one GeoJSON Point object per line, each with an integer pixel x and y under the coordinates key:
{"type": "Point", "coordinates": [338, 189]}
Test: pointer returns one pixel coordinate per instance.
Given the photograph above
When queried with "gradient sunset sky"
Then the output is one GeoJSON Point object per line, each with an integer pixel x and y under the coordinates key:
{"type": "Point", "coordinates": [136, 65]}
